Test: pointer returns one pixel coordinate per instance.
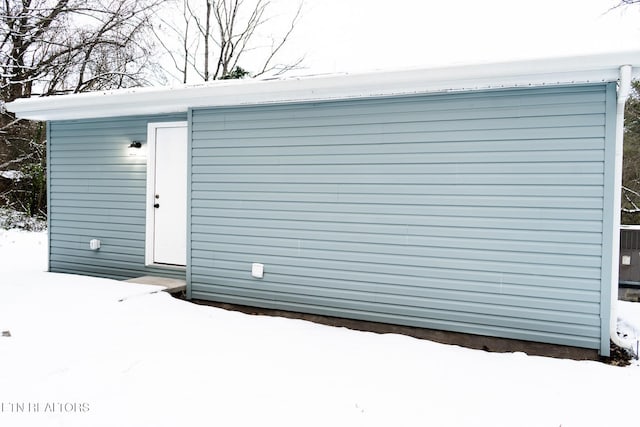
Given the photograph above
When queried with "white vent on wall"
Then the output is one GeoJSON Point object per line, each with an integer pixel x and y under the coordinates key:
{"type": "Point", "coordinates": [257, 270]}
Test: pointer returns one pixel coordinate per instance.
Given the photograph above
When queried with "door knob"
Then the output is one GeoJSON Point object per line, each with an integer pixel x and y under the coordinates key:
{"type": "Point", "coordinates": [157, 205]}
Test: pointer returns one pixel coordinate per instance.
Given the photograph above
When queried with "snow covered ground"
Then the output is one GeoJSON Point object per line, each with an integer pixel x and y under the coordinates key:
{"type": "Point", "coordinates": [77, 351]}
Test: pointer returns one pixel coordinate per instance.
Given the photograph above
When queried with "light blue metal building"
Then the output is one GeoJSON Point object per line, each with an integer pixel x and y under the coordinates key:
{"type": "Point", "coordinates": [478, 199]}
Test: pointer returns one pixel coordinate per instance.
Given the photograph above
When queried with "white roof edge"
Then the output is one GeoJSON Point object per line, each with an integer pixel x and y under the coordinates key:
{"type": "Point", "coordinates": [136, 101]}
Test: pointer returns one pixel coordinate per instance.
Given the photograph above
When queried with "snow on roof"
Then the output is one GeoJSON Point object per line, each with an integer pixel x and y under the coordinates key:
{"type": "Point", "coordinates": [135, 101]}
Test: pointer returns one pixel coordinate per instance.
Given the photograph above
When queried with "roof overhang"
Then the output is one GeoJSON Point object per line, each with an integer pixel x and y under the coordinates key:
{"type": "Point", "coordinates": [137, 101]}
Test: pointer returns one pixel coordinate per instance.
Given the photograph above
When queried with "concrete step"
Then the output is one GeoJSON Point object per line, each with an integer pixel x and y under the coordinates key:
{"type": "Point", "coordinates": [173, 286]}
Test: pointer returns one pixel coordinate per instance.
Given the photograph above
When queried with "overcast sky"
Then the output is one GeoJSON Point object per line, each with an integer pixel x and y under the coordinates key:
{"type": "Point", "coordinates": [362, 35]}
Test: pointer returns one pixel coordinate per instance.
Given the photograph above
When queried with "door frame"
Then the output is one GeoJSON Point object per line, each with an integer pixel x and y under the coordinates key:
{"type": "Point", "coordinates": [150, 196]}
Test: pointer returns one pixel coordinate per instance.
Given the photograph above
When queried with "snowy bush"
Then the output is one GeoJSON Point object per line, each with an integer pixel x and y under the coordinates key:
{"type": "Point", "coordinates": [13, 219]}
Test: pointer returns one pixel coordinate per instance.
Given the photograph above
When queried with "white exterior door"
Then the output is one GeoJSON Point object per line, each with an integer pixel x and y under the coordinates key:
{"type": "Point", "coordinates": [167, 194]}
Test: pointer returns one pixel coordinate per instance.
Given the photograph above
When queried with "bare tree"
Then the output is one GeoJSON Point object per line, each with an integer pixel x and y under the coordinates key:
{"type": "Point", "coordinates": [631, 159]}
{"type": "Point", "coordinates": [49, 47]}
{"type": "Point", "coordinates": [621, 4]}
{"type": "Point", "coordinates": [210, 37]}
{"type": "Point", "coordinates": [630, 203]}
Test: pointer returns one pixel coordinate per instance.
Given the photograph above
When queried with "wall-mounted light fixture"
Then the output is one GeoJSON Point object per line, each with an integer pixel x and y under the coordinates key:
{"type": "Point", "coordinates": [134, 148]}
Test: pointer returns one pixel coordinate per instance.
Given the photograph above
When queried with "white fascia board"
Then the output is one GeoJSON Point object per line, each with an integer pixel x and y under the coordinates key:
{"type": "Point", "coordinates": [137, 101]}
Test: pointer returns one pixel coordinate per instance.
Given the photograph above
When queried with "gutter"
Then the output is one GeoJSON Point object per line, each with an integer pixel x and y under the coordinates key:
{"type": "Point", "coordinates": [624, 88]}
{"type": "Point", "coordinates": [229, 93]}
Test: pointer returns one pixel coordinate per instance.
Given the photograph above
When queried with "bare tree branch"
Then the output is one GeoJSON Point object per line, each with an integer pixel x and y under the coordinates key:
{"type": "Point", "coordinates": [48, 47]}
{"type": "Point", "coordinates": [57, 45]}
{"type": "Point", "coordinates": [276, 49]}
{"type": "Point", "coordinates": [227, 29]}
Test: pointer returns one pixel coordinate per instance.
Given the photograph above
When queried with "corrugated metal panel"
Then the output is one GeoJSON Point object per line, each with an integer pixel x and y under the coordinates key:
{"type": "Point", "coordinates": [97, 191]}
{"type": "Point", "coordinates": [629, 273]}
{"type": "Point", "coordinates": [630, 239]}
{"type": "Point", "coordinates": [472, 212]}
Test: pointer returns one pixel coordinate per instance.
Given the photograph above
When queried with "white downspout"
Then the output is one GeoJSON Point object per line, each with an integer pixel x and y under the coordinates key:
{"type": "Point", "coordinates": [624, 87]}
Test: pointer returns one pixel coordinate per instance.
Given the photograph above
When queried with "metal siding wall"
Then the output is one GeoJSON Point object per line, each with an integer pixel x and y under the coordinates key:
{"type": "Point", "coordinates": [472, 212]}
{"type": "Point", "coordinates": [98, 191]}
